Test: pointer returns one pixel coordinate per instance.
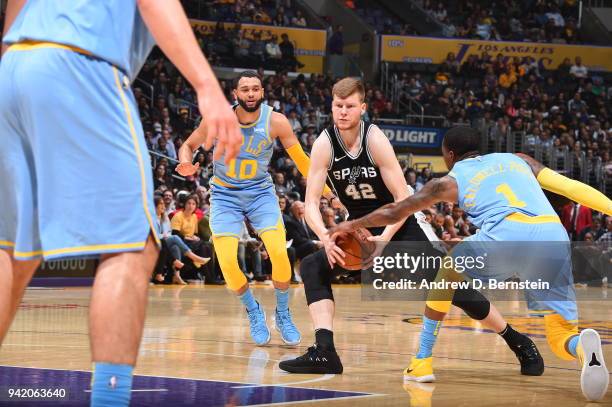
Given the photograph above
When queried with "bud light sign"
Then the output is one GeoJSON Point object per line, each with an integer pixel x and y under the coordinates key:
{"type": "Point", "coordinates": [416, 137]}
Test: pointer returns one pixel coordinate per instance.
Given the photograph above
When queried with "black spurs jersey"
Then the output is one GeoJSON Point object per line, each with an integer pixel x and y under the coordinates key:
{"type": "Point", "coordinates": [355, 179]}
{"type": "Point", "coordinates": [357, 182]}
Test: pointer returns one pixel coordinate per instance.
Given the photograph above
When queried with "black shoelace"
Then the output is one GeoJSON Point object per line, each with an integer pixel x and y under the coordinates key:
{"type": "Point", "coordinates": [528, 351]}
{"type": "Point", "coordinates": [310, 354]}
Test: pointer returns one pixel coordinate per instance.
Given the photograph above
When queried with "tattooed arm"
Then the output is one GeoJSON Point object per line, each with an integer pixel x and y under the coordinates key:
{"type": "Point", "coordinates": [437, 190]}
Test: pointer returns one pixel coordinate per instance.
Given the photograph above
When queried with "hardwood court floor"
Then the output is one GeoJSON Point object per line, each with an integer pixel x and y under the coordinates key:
{"type": "Point", "coordinates": [200, 333]}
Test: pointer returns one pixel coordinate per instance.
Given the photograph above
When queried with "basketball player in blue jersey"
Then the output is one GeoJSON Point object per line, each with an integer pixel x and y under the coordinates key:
{"type": "Point", "coordinates": [74, 163]}
{"type": "Point", "coordinates": [243, 189]}
{"type": "Point", "coordinates": [502, 195]}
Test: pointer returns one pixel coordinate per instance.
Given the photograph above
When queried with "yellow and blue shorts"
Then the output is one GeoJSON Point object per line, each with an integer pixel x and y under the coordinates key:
{"type": "Point", "coordinates": [76, 171]}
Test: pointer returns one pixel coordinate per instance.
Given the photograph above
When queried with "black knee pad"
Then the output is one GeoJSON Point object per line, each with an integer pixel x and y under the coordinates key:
{"type": "Point", "coordinates": [473, 303]}
{"type": "Point", "coordinates": [316, 275]}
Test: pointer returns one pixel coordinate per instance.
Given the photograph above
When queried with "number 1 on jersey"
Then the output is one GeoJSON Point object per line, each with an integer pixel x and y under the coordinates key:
{"type": "Point", "coordinates": [508, 193]}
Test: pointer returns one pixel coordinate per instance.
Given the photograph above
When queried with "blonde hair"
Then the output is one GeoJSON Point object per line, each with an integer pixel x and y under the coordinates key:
{"type": "Point", "coordinates": [347, 86]}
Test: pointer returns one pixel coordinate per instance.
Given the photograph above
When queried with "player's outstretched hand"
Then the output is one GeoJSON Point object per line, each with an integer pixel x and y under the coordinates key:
{"type": "Point", "coordinates": [221, 124]}
{"type": "Point", "coordinates": [333, 252]}
{"type": "Point", "coordinates": [187, 169]}
{"type": "Point", "coordinates": [381, 242]}
{"type": "Point", "coordinates": [341, 228]}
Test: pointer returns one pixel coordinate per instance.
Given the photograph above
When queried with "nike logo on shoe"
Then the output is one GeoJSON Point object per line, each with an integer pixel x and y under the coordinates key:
{"type": "Point", "coordinates": [594, 361]}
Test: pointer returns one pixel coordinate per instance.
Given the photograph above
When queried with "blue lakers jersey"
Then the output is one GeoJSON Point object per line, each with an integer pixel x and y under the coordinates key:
{"type": "Point", "coordinates": [251, 165]}
{"type": "Point", "coordinates": [112, 30]}
{"type": "Point", "coordinates": [493, 186]}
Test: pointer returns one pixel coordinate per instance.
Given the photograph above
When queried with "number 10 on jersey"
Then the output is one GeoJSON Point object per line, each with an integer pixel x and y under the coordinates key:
{"type": "Point", "coordinates": [246, 169]}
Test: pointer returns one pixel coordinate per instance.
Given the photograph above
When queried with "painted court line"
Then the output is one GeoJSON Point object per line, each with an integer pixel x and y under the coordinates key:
{"type": "Point", "coordinates": [277, 360]}
{"type": "Point", "coordinates": [175, 391]}
{"type": "Point", "coordinates": [145, 349]}
{"type": "Point", "coordinates": [203, 380]}
{"type": "Point", "coordinates": [137, 390]}
{"type": "Point", "coordinates": [314, 401]}
{"type": "Point", "coordinates": [318, 379]}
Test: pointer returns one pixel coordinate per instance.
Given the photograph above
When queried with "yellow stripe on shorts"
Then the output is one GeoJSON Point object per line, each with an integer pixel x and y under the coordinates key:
{"type": "Point", "coordinates": [30, 45]}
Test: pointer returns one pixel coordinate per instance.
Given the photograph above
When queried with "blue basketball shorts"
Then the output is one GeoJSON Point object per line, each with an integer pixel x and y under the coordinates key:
{"type": "Point", "coordinates": [76, 172]}
{"type": "Point", "coordinates": [530, 252]}
{"type": "Point", "coordinates": [229, 207]}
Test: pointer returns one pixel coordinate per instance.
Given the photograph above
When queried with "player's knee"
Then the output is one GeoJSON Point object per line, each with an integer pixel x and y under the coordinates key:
{"type": "Point", "coordinates": [234, 277]}
{"type": "Point", "coordinates": [316, 286]}
{"type": "Point", "coordinates": [281, 268]}
{"type": "Point", "coordinates": [227, 256]}
{"type": "Point", "coordinates": [275, 242]}
{"type": "Point", "coordinates": [473, 303]}
{"type": "Point", "coordinates": [318, 294]}
{"type": "Point", "coordinates": [276, 247]}
{"type": "Point", "coordinates": [308, 270]}
{"type": "Point", "coordinates": [227, 260]}
{"type": "Point", "coordinates": [278, 254]}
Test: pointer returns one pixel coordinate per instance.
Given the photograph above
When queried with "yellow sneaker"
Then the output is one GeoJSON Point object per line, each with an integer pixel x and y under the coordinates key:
{"type": "Point", "coordinates": [420, 370]}
{"type": "Point", "coordinates": [420, 393]}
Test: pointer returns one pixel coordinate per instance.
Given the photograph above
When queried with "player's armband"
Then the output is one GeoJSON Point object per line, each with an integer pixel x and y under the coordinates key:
{"type": "Point", "coordinates": [302, 162]}
{"type": "Point", "coordinates": [574, 190]}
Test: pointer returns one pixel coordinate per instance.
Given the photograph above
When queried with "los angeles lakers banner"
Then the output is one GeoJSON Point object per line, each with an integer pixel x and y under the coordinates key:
{"type": "Point", "coordinates": [396, 48]}
{"type": "Point", "coordinates": [309, 43]}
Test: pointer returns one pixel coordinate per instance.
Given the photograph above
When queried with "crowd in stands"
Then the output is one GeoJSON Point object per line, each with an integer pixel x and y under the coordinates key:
{"type": "Point", "coordinates": [566, 107]}
{"type": "Point", "coordinates": [234, 46]}
{"type": "Point", "coordinates": [511, 20]}
{"type": "Point", "coordinates": [383, 21]}
{"type": "Point", "coordinates": [282, 13]}
{"type": "Point", "coordinates": [592, 252]}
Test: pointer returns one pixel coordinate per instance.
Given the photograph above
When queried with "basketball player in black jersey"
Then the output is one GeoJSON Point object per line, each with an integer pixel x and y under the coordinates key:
{"type": "Point", "coordinates": [359, 162]}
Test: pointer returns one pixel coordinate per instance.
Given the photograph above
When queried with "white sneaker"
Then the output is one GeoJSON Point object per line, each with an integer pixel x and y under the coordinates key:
{"type": "Point", "coordinates": [594, 378]}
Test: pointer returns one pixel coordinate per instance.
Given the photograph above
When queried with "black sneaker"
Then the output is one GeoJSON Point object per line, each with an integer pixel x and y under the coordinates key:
{"type": "Point", "coordinates": [529, 356]}
{"type": "Point", "coordinates": [314, 361]}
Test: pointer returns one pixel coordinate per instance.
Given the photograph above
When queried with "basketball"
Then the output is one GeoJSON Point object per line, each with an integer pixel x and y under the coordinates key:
{"type": "Point", "coordinates": [357, 247]}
